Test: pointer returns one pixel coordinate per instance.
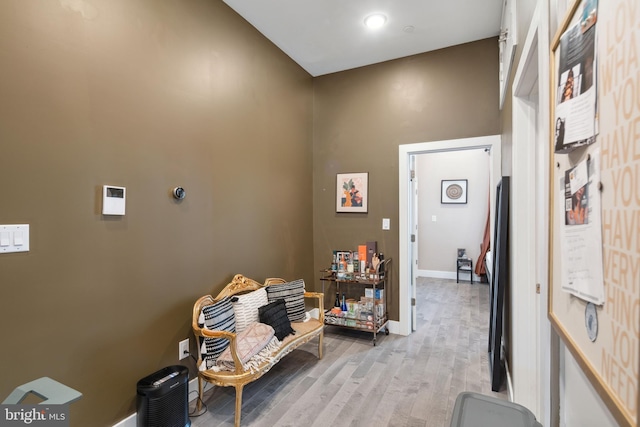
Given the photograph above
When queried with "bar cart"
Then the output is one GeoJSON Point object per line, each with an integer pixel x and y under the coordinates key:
{"type": "Point", "coordinates": [369, 312]}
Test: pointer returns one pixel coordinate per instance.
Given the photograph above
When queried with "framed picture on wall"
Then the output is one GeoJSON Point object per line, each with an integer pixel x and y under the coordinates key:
{"type": "Point", "coordinates": [352, 192]}
{"type": "Point", "coordinates": [454, 191]}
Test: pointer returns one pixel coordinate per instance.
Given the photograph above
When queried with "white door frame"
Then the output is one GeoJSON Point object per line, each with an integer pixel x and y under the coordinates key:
{"type": "Point", "coordinates": [403, 326]}
{"type": "Point", "coordinates": [530, 329]}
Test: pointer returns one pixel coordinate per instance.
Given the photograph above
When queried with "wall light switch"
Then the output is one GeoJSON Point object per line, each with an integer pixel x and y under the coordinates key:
{"type": "Point", "coordinates": [18, 239]}
{"type": "Point", "coordinates": [386, 223]}
{"type": "Point", "coordinates": [433, 218]}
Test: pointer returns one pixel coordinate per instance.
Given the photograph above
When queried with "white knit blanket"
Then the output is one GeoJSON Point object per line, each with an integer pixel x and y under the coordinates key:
{"type": "Point", "coordinates": [254, 345]}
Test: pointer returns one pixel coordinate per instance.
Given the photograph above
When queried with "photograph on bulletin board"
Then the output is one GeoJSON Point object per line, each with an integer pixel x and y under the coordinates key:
{"type": "Point", "coordinates": [576, 88]}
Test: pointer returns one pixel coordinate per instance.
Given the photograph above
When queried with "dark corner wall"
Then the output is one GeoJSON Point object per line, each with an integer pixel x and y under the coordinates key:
{"type": "Point", "coordinates": [150, 95]}
{"type": "Point", "coordinates": [361, 116]}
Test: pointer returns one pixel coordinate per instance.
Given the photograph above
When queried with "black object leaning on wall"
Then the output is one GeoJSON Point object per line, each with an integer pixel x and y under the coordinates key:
{"type": "Point", "coordinates": [499, 283]}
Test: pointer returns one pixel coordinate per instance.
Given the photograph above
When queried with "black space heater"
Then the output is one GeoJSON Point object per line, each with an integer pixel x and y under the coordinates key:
{"type": "Point", "coordinates": [163, 398]}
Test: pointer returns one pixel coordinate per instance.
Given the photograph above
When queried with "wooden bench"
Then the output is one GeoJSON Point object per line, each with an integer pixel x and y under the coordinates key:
{"type": "Point", "coordinates": [238, 378]}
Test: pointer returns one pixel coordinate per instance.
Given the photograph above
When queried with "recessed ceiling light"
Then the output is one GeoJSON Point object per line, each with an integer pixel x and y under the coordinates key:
{"type": "Point", "coordinates": [376, 20]}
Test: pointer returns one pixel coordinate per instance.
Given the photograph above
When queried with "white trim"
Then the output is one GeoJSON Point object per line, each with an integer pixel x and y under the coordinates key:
{"type": "Point", "coordinates": [405, 151]}
{"type": "Point", "coordinates": [394, 327]}
{"type": "Point", "coordinates": [522, 215]}
{"type": "Point", "coordinates": [130, 421]}
{"type": "Point", "coordinates": [509, 382]}
{"type": "Point", "coordinates": [530, 358]}
{"type": "Point", "coordinates": [547, 402]}
{"type": "Point", "coordinates": [436, 274]}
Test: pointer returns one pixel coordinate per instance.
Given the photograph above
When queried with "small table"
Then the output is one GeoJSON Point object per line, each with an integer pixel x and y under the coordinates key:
{"type": "Point", "coordinates": [464, 265]}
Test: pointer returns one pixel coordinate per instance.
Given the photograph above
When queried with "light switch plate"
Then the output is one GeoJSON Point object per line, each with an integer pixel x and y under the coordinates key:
{"type": "Point", "coordinates": [14, 238]}
{"type": "Point", "coordinates": [386, 224]}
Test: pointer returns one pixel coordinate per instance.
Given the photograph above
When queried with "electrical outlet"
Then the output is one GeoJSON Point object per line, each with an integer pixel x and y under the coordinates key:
{"type": "Point", "coordinates": [183, 349]}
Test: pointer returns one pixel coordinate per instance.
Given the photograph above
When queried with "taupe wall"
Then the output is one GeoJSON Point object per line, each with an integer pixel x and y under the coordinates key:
{"type": "Point", "coordinates": [361, 116]}
{"type": "Point", "coordinates": [148, 95]}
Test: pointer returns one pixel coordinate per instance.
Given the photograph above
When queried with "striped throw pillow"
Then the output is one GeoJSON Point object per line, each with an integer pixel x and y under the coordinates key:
{"type": "Point", "coordinates": [245, 308]}
{"type": "Point", "coordinates": [293, 295]}
{"type": "Point", "coordinates": [220, 317]}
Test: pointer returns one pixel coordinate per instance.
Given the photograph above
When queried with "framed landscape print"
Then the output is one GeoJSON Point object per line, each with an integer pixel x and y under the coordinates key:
{"type": "Point", "coordinates": [454, 191]}
{"type": "Point", "coordinates": [352, 192]}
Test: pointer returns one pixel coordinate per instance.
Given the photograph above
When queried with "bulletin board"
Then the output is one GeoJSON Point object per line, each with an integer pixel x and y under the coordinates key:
{"type": "Point", "coordinates": [594, 295]}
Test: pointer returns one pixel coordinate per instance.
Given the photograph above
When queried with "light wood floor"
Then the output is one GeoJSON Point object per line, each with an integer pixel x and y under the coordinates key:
{"type": "Point", "coordinates": [402, 381]}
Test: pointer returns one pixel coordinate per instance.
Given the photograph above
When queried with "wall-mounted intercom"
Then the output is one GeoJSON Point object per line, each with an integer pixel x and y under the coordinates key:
{"type": "Point", "coordinates": [113, 200]}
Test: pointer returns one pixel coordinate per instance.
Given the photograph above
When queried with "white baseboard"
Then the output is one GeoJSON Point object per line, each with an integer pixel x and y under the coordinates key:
{"type": "Point", "coordinates": [394, 327]}
{"type": "Point", "coordinates": [436, 274]}
{"type": "Point", "coordinates": [509, 383]}
{"type": "Point", "coordinates": [446, 275]}
{"type": "Point", "coordinates": [130, 421]}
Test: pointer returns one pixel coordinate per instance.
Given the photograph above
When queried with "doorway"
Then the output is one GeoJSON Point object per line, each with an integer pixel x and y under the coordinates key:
{"type": "Point", "coordinates": [446, 226]}
{"type": "Point", "coordinates": [406, 250]}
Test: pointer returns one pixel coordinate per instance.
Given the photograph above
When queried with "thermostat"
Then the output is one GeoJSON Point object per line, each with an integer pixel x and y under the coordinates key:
{"type": "Point", "coordinates": [179, 193]}
{"type": "Point", "coordinates": [113, 200]}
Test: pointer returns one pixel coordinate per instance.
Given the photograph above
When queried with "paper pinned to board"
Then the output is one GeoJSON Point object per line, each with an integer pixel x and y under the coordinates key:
{"type": "Point", "coordinates": [581, 245]}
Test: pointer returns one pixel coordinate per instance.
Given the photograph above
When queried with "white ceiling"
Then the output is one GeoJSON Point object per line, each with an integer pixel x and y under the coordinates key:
{"type": "Point", "coordinates": [327, 36]}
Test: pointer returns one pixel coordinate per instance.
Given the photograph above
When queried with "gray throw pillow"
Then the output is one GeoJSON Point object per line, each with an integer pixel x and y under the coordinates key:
{"type": "Point", "coordinates": [293, 295]}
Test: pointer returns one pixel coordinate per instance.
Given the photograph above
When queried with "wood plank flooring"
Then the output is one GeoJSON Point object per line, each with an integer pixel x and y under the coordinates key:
{"type": "Point", "coordinates": [402, 381]}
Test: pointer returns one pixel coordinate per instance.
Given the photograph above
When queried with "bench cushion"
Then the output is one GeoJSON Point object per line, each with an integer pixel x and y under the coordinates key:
{"type": "Point", "coordinates": [293, 294]}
